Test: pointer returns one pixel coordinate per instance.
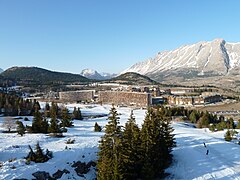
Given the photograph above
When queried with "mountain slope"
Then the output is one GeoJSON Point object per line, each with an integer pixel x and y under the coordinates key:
{"type": "Point", "coordinates": [91, 74]}
{"type": "Point", "coordinates": [1, 70]}
{"type": "Point", "coordinates": [35, 75]}
{"type": "Point", "coordinates": [133, 78]}
{"type": "Point", "coordinates": [215, 58]}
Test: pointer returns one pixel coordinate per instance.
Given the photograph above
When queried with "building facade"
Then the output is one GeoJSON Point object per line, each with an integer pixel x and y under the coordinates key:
{"type": "Point", "coordinates": [74, 96]}
{"type": "Point", "coordinates": [125, 98]}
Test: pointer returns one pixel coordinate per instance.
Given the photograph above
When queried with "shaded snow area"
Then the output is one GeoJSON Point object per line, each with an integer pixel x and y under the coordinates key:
{"type": "Point", "coordinates": [190, 159]}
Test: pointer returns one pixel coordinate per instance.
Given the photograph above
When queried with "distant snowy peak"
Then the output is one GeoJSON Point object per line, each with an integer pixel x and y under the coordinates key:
{"type": "Point", "coordinates": [216, 57]}
{"type": "Point", "coordinates": [108, 75]}
{"type": "Point", "coordinates": [93, 74]}
{"type": "Point", "coordinates": [1, 70]}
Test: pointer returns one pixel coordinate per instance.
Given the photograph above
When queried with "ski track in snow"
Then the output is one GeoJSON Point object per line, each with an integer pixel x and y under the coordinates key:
{"type": "Point", "coordinates": [191, 161]}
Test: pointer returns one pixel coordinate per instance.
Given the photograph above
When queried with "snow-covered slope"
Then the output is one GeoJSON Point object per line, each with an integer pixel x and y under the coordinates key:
{"type": "Point", "coordinates": [190, 159]}
{"type": "Point", "coordinates": [204, 58]}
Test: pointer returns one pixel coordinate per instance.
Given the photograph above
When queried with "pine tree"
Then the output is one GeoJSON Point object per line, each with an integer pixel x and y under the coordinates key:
{"type": "Point", "coordinates": [37, 121]}
{"type": "Point", "coordinates": [38, 156]}
{"type": "Point", "coordinates": [77, 114]}
{"type": "Point", "coordinates": [238, 124]}
{"type": "Point", "coordinates": [167, 138]}
{"type": "Point", "coordinates": [39, 125]}
{"type": "Point", "coordinates": [228, 136]}
{"type": "Point", "coordinates": [109, 155]}
{"type": "Point", "coordinates": [193, 117]}
{"type": "Point", "coordinates": [20, 128]}
{"type": "Point", "coordinates": [147, 139]}
{"type": "Point", "coordinates": [157, 143]}
{"type": "Point", "coordinates": [54, 128]}
{"type": "Point", "coordinates": [66, 120]}
{"type": "Point", "coordinates": [44, 126]}
{"type": "Point", "coordinates": [131, 149]}
{"type": "Point", "coordinates": [47, 110]}
{"type": "Point", "coordinates": [97, 128]}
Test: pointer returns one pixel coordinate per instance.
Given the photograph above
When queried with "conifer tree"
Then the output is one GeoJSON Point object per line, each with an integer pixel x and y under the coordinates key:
{"type": "Point", "coordinates": [47, 110]}
{"type": "Point", "coordinates": [167, 138]}
{"type": "Point", "coordinates": [77, 114]}
{"type": "Point", "coordinates": [66, 120]}
{"type": "Point", "coordinates": [20, 128]}
{"type": "Point", "coordinates": [44, 126]}
{"type": "Point", "coordinates": [54, 127]}
{"type": "Point", "coordinates": [157, 143]}
{"type": "Point", "coordinates": [97, 128]}
{"type": "Point", "coordinates": [238, 124]}
{"type": "Point", "coordinates": [228, 136]}
{"type": "Point", "coordinates": [131, 149]}
{"type": "Point", "coordinates": [109, 155]}
{"type": "Point", "coordinates": [37, 121]}
{"type": "Point", "coordinates": [147, 139]}
{"type": "Point", "coordinates": [38, 156]}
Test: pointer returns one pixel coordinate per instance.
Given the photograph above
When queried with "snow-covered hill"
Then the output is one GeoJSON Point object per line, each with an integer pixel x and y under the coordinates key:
{"type": "Point", "coordinates": [216, 57]}
{"type": "Point", "coordinates": [190, 159]}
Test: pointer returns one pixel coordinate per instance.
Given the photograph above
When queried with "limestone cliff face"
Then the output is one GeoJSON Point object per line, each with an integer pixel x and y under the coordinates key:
{"type": "Point", "coordinates": [214, 58]}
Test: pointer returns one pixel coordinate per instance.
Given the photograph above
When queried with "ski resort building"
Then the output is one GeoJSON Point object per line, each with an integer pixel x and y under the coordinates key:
{"type": "Point", "coordinates": [138, 99]}
{"type": "Point", "coordinates": [194, 100]}
{"type": "Point", "coordinates": [75, 96]}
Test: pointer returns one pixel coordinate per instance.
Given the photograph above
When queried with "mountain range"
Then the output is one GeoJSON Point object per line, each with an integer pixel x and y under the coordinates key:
{"type": "Point", "coordinates": [93, 74]}
{"type": "Point", "coordinates": [1, 70]}
{"type": "Point", "coordinates": [205, 61]}
{"type": "Point", "coordinates": [39, 77]}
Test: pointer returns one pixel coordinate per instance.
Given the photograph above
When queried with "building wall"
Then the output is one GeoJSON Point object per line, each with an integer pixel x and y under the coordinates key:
{"type": "Point", "coordinates": [125, 98]}
{"type": "Point", "coordinates": [71, 96]}
{"type": "Point", "coordinates": [193, 100]}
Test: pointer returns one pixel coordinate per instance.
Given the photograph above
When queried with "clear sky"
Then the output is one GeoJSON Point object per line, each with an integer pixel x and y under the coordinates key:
{"type": "Point", "coordinates": [107, 35]}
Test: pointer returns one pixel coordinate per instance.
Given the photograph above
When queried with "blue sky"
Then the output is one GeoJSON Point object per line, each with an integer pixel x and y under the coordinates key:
{"type": "Point", "coordinates": [107, 35]}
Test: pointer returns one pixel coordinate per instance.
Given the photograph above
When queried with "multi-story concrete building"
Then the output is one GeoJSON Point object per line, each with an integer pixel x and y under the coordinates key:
{"type": "Point", "coordinates": [125, 98]}
{"type": "Point", "coordinates": [74, 96]}
{"type": "Point", "coordinates": [193, 100]}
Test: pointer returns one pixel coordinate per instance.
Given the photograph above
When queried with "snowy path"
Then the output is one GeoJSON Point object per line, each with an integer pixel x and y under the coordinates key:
{"type": "Point", "coordinates": [191, 161]}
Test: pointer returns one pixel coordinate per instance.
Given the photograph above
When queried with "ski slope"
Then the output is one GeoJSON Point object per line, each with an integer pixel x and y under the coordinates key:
{"type": "Point", "coordinates": [190, 159]}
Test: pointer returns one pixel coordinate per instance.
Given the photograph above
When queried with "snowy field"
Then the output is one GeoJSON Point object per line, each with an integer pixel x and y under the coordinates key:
{"type": "Point", "coordinates": [190, 159]}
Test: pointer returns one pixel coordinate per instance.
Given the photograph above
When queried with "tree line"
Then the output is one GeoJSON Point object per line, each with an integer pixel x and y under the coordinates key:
{"type": "Point", "coordinates": [14, 105]}
{"type": "Point", "coordinates": [60, 118]}
{"type": "Point", "coordinates": [203, 119]}
{"type": "Point", "coordinates": [130, 152]}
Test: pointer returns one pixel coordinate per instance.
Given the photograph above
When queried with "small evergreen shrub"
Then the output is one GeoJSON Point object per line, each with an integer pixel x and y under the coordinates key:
{"type": "Point", "coordinates": [70, 141]}
{"type": "Point", "coordinates": [38, 156]}
{"type": "Point", "coordinates": [97, 128]}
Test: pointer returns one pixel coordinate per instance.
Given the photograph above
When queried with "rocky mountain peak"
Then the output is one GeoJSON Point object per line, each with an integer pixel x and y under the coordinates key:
{"type": "Point", "coordinates": [213, 58]}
